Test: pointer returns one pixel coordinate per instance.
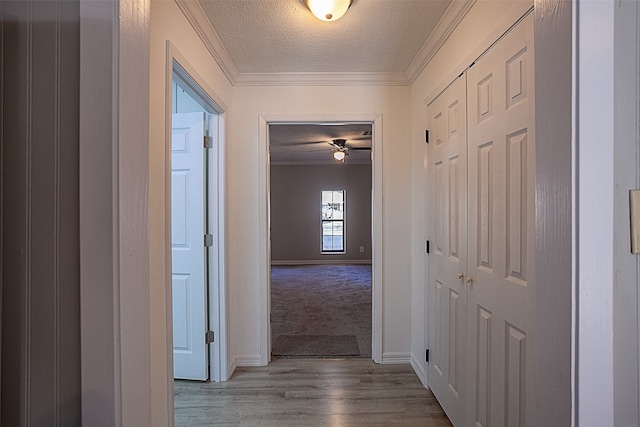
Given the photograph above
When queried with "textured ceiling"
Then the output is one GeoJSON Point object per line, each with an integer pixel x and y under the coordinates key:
{"type": "Point", "coordinates": [282, 36]}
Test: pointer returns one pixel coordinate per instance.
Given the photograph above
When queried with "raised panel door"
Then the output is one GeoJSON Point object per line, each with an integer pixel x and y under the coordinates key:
{"type": "Point", "coordinates": [500, 295]}
{"type": "Point", "coordinates": [188, 282]}
{"type": "Point", "coordinates": [447, 195]}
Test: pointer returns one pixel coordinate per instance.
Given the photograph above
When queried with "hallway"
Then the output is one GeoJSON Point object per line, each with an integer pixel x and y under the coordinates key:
{"type": "Point", "coordinates": [318, 392]}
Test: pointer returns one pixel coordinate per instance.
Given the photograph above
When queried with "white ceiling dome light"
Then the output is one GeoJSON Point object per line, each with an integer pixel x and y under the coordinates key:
{"type": "Point", "coordinates": [339, 155]}
{"type": "Point", "coordinates": [328, 10]}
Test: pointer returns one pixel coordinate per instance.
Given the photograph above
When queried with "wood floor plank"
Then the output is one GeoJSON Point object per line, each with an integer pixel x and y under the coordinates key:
{"type": "Point", "coordinates": [311, 392]}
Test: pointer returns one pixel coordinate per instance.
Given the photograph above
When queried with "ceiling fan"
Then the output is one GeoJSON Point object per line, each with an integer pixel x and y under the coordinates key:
{"type": "Point", "coordinates": [340, 149]}
{"type": "Point", "coordinates": [337, 139]}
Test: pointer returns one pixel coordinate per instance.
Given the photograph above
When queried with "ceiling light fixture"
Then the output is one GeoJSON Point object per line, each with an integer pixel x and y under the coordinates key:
{"type": "Point", "coordinates": [328, 10]}
{"type": "Point", "coordinates": [339, 155]}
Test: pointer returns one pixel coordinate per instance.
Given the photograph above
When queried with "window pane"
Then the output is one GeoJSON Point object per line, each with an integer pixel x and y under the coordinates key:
{"type": "Point", "coordinates": [332, 232]}
{"type": "Point", "coordinates": [332, 228]}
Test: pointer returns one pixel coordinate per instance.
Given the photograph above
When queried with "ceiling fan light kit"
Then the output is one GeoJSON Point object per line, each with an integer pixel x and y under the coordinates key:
{"type": "Point", "coordinates": [339, 149]}
{"type": "Point", "coordinates": [328, 10]}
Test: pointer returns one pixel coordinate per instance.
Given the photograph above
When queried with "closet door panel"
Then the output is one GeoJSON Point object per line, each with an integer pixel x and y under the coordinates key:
{"type": "Point", "coordinates": [501, 231]}
{"type": "Point", "coordinates": [447, 198]}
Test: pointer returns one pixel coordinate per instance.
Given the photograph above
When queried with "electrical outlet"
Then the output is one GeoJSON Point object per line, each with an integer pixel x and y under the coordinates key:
{"type": "Point", "coordinates": [361, 249]}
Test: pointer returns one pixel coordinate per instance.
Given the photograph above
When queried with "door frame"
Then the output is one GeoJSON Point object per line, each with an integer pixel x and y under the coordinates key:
{"type": "Point", "coordinates": [265, 221]}
{"type": "Point", "coordinates": [178, 66]}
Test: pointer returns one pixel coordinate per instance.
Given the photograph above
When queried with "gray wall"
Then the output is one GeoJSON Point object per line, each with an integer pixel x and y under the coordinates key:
{"type": "Point", "coordinates": [295, 211]}
{"type": "Point", "coordinates": [39, 218]}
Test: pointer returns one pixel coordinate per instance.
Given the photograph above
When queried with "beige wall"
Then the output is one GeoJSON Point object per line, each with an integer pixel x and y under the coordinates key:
{"type": "Point", "coordinates": [295, 211]}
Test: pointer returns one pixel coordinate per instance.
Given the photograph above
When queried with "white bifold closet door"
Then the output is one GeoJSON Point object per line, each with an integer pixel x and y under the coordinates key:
{"type": "Point", "coordinates": [481, 314]}
{"type": "Point", "coordinates": [447, 198]}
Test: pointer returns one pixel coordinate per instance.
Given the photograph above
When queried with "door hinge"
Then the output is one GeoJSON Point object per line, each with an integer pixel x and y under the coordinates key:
{"type": "Point", "coordinates": [427, 246]}
{"type": "Point", "coordinates": [208, 240]}
{"type": "Point", "coordinates": [209, 337]}
{"type": "Point", "coordinates": [208, 141]}
{"type": "Point", "coordinates": [426, 355]}
{"type": "Point", "coordinates": [426, 136]}
{"type": "Point", "coordinates": [634, 215]}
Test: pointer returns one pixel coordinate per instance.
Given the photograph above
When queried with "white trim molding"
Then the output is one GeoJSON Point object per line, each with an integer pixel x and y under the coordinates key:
{"type": "Point", "coordinates": [322, 79]}
{"type": "Point", "coordinates": [396, 358]}
{"type": "Point", "coordinates": [456, 11]}
{"type": "Point", "coordinates": [246, 360]}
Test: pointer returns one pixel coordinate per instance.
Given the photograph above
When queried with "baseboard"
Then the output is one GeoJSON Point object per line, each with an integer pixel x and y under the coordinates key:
{"type": "Point", "coordinates": [395, 358]}
{"type": "Point", "coordinates": [419, 368]}
{"type": "Point", "coordinates": [245, 360]}
{"type": "Point", "coordinates": [322, 262]}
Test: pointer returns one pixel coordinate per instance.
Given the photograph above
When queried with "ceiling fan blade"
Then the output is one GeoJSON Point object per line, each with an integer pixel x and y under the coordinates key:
{"type": "Point", "coordinates": [302, 143]}
{"type": "Point", "coordinates": [359, 148]}
{"type": "Point", "coordinates": [338, 143]}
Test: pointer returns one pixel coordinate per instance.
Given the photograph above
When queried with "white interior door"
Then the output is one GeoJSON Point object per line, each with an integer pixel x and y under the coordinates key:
{"type": "Point", "coordinates": [481, 171]}
{"type": "Point", "coordinates": [447, 172]}
{"type": "Point", "coordinates": [188, 250]}
{"type": "Point", "coordinates": [501, 233]}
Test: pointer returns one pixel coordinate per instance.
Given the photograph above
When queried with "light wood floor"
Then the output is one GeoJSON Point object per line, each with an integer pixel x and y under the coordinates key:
{"type": "Point", "coordinates": [311, 392]}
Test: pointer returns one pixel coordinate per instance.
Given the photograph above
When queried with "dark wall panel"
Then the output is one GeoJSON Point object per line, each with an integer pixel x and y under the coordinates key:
{"type": "Point", "coordinates": [40, 214]}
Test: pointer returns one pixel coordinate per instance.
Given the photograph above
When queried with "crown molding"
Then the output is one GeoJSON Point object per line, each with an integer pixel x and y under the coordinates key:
{"type": "Point", "coordinates": [322, 79]}
{"type": "Point", "coordinates": [456, 11]}
{"type": "Point", "coordinates": [202, 26]}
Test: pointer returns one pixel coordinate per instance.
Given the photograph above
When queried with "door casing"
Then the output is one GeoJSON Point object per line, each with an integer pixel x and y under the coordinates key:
{"type": "Point", "coordinates": [264, 225]}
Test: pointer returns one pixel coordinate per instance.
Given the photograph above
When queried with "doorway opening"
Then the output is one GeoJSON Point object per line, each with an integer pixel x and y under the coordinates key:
{"type": "Point", "coordinates": [321, 250]}
{"type": "Point", "coordinates": [195, 226]}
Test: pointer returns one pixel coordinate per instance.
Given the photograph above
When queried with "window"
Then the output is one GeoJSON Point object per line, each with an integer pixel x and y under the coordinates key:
{"type": "Point", "coordinates": [333, 208]}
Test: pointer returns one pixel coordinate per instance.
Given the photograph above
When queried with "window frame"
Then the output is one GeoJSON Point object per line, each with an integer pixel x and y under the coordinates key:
{"type": "Point", "coordinates": [323, 251]}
